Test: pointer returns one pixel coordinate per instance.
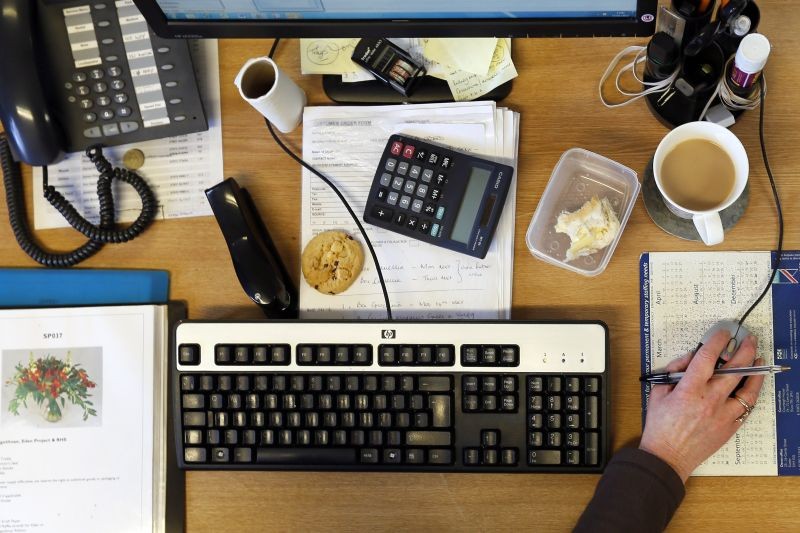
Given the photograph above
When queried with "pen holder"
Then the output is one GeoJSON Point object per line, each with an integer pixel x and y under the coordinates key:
{"type": "Point", "coordinates": [685, 99]}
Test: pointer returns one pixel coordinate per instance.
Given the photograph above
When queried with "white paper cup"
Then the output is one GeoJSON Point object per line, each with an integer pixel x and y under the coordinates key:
{"type": "Point", "coordinates": [708, 223]}
{"type": "Point", "coordinates": [271, 92]}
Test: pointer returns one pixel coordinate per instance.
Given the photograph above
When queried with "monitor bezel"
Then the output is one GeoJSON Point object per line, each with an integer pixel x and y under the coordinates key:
{"type": "Point", "coordinates": [643, 24]}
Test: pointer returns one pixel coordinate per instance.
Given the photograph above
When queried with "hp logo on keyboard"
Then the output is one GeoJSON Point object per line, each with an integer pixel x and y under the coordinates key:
{"type": "Point", "coordinates": [387, 333]}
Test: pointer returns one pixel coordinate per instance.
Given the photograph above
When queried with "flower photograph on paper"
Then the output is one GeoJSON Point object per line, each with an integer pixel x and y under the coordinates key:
{"type": "Point", "coordinates": [51, 388]}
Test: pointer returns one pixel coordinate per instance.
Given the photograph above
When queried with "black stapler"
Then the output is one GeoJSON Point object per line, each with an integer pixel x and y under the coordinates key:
{"type": "Point", "coordinates": [255, 259]}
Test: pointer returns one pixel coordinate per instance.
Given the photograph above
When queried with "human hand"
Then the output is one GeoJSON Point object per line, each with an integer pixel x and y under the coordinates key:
{"type": "Point", "coordinates": [689, 421]}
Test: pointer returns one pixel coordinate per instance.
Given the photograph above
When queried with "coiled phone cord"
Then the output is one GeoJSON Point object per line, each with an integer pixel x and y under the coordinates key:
{"type": "Point", "coordinates": [335, 189]}
{"type": "Point", "coordinates": [98, 235]}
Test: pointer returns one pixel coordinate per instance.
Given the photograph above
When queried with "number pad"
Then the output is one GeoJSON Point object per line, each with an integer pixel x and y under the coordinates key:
{"type": "Point", "coordinates": [563, 418]}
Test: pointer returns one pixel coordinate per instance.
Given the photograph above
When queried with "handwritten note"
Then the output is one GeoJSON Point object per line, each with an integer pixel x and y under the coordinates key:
{"type": "Point", "coordinates": [690, 292]}
{"type": "Point", "coordinates": [467, 85]}
{"type": "Point", "coordinates": [423, 281]}
{"type": "Point", "coordinates": [178, 169]}
{"type": "Point", "coordinates": [470, 55]}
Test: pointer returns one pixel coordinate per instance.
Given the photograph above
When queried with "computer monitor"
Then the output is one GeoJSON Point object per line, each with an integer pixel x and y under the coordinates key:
{"type": "Point", "coordinates": [409, 18]}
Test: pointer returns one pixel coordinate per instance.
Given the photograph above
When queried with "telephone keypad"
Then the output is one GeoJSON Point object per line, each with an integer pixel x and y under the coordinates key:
{"type": "Point", "coordinates": [153, 96]}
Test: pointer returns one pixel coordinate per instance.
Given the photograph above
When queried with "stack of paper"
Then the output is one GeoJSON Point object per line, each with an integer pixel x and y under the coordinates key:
{"type": "Point", "coordinates": [471, 67]}
{"type": "Point", "coordinates": [424, 281]}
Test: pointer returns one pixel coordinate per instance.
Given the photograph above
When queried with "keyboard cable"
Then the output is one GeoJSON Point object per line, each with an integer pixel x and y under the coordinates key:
{"type": "Point", "coordinates": [336, 190]}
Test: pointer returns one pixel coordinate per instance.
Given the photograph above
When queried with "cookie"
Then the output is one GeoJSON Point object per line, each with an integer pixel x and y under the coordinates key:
{"type": "Point", "coordinates": [332, 261]}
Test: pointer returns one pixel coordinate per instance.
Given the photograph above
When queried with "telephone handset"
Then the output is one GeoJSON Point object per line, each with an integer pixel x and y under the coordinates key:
{"type": "Point", "coordinates": [82, 72]}
{"type": "Point", "coordinates": [78, 75]}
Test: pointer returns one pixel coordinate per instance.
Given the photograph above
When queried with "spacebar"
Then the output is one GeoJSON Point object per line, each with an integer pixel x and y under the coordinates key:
{"type": "Point", "coordinates": [306, 456]}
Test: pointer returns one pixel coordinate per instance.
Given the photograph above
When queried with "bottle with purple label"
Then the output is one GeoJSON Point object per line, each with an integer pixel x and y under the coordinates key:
{"type": "Point", "coordinates": [750, 59]}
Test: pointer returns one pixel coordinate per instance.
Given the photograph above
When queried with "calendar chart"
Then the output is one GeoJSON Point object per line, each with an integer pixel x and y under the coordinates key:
{"type": "Point", "coordinates": [685, 294]}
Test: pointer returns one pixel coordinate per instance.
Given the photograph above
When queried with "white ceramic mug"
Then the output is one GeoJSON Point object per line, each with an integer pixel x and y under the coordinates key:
{"type": "Point", "coordinates": [707, 222]}
{"type": "Point", "coordinates": [271, 92]}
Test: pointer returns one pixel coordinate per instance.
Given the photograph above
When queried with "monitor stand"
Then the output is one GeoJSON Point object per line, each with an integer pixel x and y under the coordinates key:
{"type": "Point", "coordinates": [428, 90]}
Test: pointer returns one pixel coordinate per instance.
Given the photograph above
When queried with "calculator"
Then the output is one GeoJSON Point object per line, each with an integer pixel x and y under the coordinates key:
{"type": "Point", "coordinates": [438, 195]}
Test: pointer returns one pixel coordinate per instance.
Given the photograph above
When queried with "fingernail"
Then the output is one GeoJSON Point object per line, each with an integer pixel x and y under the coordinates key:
{"type": "Point", "coordinates": [759, 361]}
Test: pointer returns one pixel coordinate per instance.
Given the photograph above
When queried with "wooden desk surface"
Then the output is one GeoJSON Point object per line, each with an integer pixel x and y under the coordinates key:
{"type": "Point", "coordinates": [556, 93]}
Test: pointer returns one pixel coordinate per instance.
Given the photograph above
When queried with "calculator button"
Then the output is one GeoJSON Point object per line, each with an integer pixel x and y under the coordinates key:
{"type": "Point", "coordinates": [416, 206]}
{"type": "Point", "coordinates": [402, 168]}
{"type": "Point", "coordinates": [433, 158]}
{"type": "Point", "coordinates": [441, 179]}
{"type": "Point", "coordinates": [440, 213]}
{"type": "Point", "coordinates": [96, 74]}
{"type": "Point", "coordinates": [382, 194]}
{"type": "Point", "coordinates": [89, 117]}
{"type": "Point", "coordinates": [100, 87]}
{"type": "Point", "coordinates": [86, 103]}
{"type": "Point", "coordinates": [414, 172]}
{"type": "Point", "coordinates": [82, 90]}
{"type": "Point", "coordinates": [71, 99]}
{"type": "Point", "coordinates": [400, 219]}
{"type": "Point", "coordinates": [430, 209]}
{"type": "Point", "coordinates": [435, 230]}
{"type": "Point", "coordinates": [425, 226]}
{"type": "Point", "coordinates": [117, 85]}
{"type": "Point", "coordinates": [124, 111]}
{"type": "Point", "coordinates": [386, 179]}
{"type": "Point", "coordinates": [435, 194]}
{"type": "Point", "coordinates": [397, 148]}
{"type": "Point", "coordinates": [421, 155]}
{"type": "Point", "coordinates": [408, 151]}
{"type": "Point", "coordinates": [447, 162]}
{"type": "Point", "coordinates": [103, 101]}
{"type": "Point", "coordinates": [120, 98]}
{"type": "Point", "coordinates": [107, 41]}
{"type": "Point", "coordinates": [114, 71]}
{"type": "Point", "coordinates": [391, 164]}
{"type": "Point", "coordinates": [409, 186]}
{"type": "Point", "coordinates": [405, 202]}
{"type": "Point", "coordinates": [392, 198]}
{"type": "Point", "coordinates": [427, 175]}
{"type": "Point", "coordinates": [79, 77]}
{"type": "Point", "coordinates": [412, 222]}
{"type": "Point", "coordinates": [422, 190]}
{"type": "Point", "coordinates": [104, 24]}
{"type": "Point", "coordinates": [107, 114]}
{"type": "Point", "coordinates": [382, 213]}
{"type": "Point", "coordinates": [397, 183]}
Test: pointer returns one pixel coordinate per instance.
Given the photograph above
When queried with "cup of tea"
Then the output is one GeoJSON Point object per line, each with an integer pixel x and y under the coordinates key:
{"type": "Point", "coordinates": [701, 168]}
{"type": "Point", "coordinates": [271, 92]}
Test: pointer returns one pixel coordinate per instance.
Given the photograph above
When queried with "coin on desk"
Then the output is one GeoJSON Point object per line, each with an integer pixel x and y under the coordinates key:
{"type": "Point", "coordinates": [133, 159]}
{"type": "Point", "coordinates": [332, 261]}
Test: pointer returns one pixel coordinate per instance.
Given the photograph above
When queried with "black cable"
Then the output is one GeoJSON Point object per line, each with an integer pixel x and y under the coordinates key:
{"type": "Point", "coordinates": [335, 189]}
{"type": "Point", "coordinates": [98, 235]}
{"type": "Point", "coordinates": [779, 252]}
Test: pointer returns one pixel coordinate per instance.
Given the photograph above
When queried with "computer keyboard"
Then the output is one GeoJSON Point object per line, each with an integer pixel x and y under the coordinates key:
{"type": "Point", "coordinates": [392, 396]}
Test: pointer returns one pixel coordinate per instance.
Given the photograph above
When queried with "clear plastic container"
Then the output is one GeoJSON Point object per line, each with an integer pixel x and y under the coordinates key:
{"type": "Point", "coordinates": [577, 177]}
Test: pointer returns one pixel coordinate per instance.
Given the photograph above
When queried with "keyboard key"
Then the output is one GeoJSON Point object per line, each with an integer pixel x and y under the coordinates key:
{"type": "Point", "coordinates": [189, 354]}
{"type": "Point", "coordinates": [444, 355]}
{"type": "Point", "coordinates": [508, 456]}
{"type": "Point", "coordinates": [222, 355]}
{"type": "Point", "coordinates": [392, 456]}
{"type": "Point", "coordinates": [220, 455]}
{"type": "Point", "coordinates": [308, 456]}
{"type": "Point", "coordinates": [440, 457]}
{"type": "Point", "coordinates": [242, 455]}
{"type": "Point", "coordinates": [193, 401]}
{"type": "Point", "coordinates": [194, 455]}
{"type": "Point", "coordinates": [490, 438]}
{"type": "Point", "coordinates": [194, 419]}
{"type": "Point", "coordinates": [591, 412]}
{"type": "Point", "coordinates": [430, 383]}
{"type": "Point", "coordinates": [472, 456]}
{"type": "Point", "coordinates": [490, 457]}
{"type": "Point", "coordinates": [440, 405]}
{"type": "Point", "coordinates": [535, 384]}
{"type": "Point", "coordinates": [573, 384]}
{"type": "Point", "coordinates": [591, 385]}
{"type": "Point", "coordinates": [544, 457]}
{"type": "Point", "coordinates": [415, 456]}
{"type": "Point", "coordinates": [428, 438]}
{"type": "Point", "coordinates": [188, 383]}
{"type": "Point", "coordinates": [592, 449]}
{"type": "Point", "coordinates": [554, 384]}
{"type": "Point", "coordinates": [193, 436]}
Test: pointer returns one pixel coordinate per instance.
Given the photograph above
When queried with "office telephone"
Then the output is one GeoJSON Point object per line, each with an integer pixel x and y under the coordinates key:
{"type": "Point", "coordinates": [80, 75]}
{"type": "Point", "coordinates": [82, 72]}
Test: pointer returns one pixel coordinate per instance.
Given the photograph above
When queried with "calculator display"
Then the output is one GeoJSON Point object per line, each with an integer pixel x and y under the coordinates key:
{"type": "Point", "coordinates": [476, 185]}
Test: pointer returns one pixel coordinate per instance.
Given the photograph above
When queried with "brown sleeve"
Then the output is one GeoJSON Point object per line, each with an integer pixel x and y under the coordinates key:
{"type": "Point", "coordinates": [638, 492]}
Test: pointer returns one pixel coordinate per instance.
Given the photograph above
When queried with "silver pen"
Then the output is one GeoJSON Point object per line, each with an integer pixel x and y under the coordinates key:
{"type": "Point", "coordinates": [667, 378]}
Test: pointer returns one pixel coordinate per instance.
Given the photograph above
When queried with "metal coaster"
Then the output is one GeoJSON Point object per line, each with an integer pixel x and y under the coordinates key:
{"type": "Point", "coordinates": [681, 227]}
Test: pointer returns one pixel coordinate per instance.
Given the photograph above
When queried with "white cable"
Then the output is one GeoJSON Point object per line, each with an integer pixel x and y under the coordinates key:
{"type": "Point", "coordinates": [729, 99]}
{"type": "Point", "coordinates": [653, 87]}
